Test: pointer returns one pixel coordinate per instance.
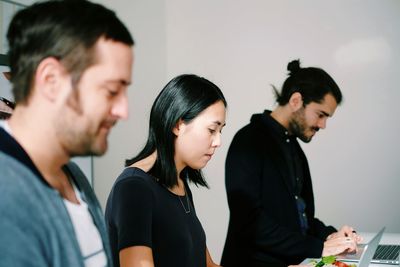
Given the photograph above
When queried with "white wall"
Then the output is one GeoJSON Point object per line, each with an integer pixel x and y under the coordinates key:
{"type": "Point", "coordinates": [145, 19]}
{"type": "Point", "coordinates": [244, 46]}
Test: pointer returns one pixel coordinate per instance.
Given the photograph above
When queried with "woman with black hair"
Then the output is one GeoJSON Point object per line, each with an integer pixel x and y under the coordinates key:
{"type": "Point", "coordinates": [150, 213]}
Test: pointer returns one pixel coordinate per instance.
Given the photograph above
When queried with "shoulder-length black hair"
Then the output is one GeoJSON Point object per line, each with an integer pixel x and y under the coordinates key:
{"type": "Point", "coordinates": [183, 98]}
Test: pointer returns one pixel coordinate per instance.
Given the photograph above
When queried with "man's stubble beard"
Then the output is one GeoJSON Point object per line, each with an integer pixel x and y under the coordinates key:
{"type": "Point", "coordinates": [298, 126]}
{"type": "Point", "coordinates": [76, 132]}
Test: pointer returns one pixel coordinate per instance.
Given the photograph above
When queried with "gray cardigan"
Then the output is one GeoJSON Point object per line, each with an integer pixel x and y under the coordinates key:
{"type": "Point", "coordinates": [35, 227]}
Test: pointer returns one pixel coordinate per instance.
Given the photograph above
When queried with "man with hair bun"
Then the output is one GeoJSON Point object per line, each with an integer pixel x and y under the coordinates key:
{"type": "Point", "coordinates": [268, 180]}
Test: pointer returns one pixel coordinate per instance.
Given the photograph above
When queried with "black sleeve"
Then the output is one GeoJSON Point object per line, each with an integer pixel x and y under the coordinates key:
{"type": "Point", "coordinates": [320, 230]}
{"type": "Point", "coordinates": [131, 212]}
{"type": "Point", "coordinates": [245, 172]}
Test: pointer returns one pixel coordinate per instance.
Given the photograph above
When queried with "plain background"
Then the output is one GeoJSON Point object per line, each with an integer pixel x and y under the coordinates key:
{"type": "Point", "coordinates": [244, 47]}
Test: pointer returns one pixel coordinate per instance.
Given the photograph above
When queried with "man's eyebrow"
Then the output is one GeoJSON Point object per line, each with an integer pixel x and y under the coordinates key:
{"type": "Point", "coordinates": [120, 81]}
{"type": "Point", "coordinates": [325, 113]}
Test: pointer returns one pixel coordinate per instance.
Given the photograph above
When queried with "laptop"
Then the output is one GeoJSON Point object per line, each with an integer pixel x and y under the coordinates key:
{"type": "Point", "coordinates": [372, 252]}
{"type": "Point", "coordinates": [387, 254]}
{"type": "Point", "coordinates": [369, 249]}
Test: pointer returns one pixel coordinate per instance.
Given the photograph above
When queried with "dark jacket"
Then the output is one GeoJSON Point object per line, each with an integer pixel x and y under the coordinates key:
{"type": "Point", "coordinates": [264, 227]}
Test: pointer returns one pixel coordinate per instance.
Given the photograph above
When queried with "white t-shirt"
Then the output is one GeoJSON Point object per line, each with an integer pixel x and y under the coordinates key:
{"type": "Point", "coordinates": [4, 125]}
{"type": "Point", "coordinates": [86, 232]}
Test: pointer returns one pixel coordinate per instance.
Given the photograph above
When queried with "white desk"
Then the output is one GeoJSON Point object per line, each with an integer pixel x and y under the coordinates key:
{"type": "Point", "coordinates": [387, 238]}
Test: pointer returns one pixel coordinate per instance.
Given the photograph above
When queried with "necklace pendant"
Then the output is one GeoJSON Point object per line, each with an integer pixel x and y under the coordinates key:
{"type": "Point", "coordinates": [187, 202]}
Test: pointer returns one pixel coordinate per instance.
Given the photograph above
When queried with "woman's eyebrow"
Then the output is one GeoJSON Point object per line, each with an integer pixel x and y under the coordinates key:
{"type": "Point", "coordinates": [219, 123]}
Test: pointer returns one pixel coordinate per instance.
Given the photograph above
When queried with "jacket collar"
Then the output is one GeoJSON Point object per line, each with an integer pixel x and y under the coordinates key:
{"type": "Point", "coordinates": [10, 146]}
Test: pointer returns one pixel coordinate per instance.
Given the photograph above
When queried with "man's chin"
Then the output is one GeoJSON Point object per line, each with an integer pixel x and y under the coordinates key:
{"type": "Point", "coordinates": [306, 139]}
{"type": "Point", "coordinates": [100, 145]}
{"type": "Point", "coordinates": [100, 150]}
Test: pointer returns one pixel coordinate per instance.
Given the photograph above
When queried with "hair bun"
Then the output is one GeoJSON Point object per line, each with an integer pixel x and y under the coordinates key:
{"type": "Point", "coordinates": [294, 66]}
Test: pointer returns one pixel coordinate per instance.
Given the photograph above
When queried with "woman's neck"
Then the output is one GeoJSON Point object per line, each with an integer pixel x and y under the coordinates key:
{"type": "Point", "coordinates": [179, 189]}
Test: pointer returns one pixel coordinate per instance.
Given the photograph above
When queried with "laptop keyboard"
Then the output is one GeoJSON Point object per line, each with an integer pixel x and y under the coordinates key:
{"type": "Point", "coordinates": [387, 252]}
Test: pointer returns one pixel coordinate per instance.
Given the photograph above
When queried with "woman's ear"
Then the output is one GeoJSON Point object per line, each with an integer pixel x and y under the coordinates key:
{"type": "Point", "coordinates": [296, 101]}
{"type": "Point", "coordinates": [178, 126]}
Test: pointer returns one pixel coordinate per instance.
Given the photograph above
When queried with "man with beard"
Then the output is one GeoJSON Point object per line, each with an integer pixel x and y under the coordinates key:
{"type": "Point", "coordinates": [71, 64]}
{"type": "Point", "coordinates": [268, 181]}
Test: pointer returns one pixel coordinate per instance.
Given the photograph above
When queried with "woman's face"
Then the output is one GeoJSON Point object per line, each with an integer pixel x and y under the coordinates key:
{"type": "Point", "coordinates": [196, 141]}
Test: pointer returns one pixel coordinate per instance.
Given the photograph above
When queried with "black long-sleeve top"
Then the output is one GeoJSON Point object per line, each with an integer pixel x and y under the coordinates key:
{"type": "Point", "coordinates": [263, 186]}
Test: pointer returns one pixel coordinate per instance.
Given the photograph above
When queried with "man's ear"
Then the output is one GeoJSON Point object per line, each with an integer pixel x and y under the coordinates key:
{"type": "Point", "coordinates": [296, 101]}
{"type": "Point", "coordinates": [178, 126]}
{"type": "Point", "coordinates": [49, 77]}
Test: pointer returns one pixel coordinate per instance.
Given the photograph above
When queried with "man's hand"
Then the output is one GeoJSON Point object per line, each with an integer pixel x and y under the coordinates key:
{"type": "Point", "coordinates": [346, 231]}
{"type": "Point", "coordinates": [339, 244]}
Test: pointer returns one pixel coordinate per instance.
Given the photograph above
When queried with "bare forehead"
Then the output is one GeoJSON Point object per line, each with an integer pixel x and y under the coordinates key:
{"type": "Point", "coordinates": [214, 114]}
{"type": "Point", "coordinates": [114, 59]}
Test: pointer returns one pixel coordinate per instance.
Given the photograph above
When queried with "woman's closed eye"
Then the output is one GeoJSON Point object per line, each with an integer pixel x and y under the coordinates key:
{"type": "Point", "coordinates": [213, 131]}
